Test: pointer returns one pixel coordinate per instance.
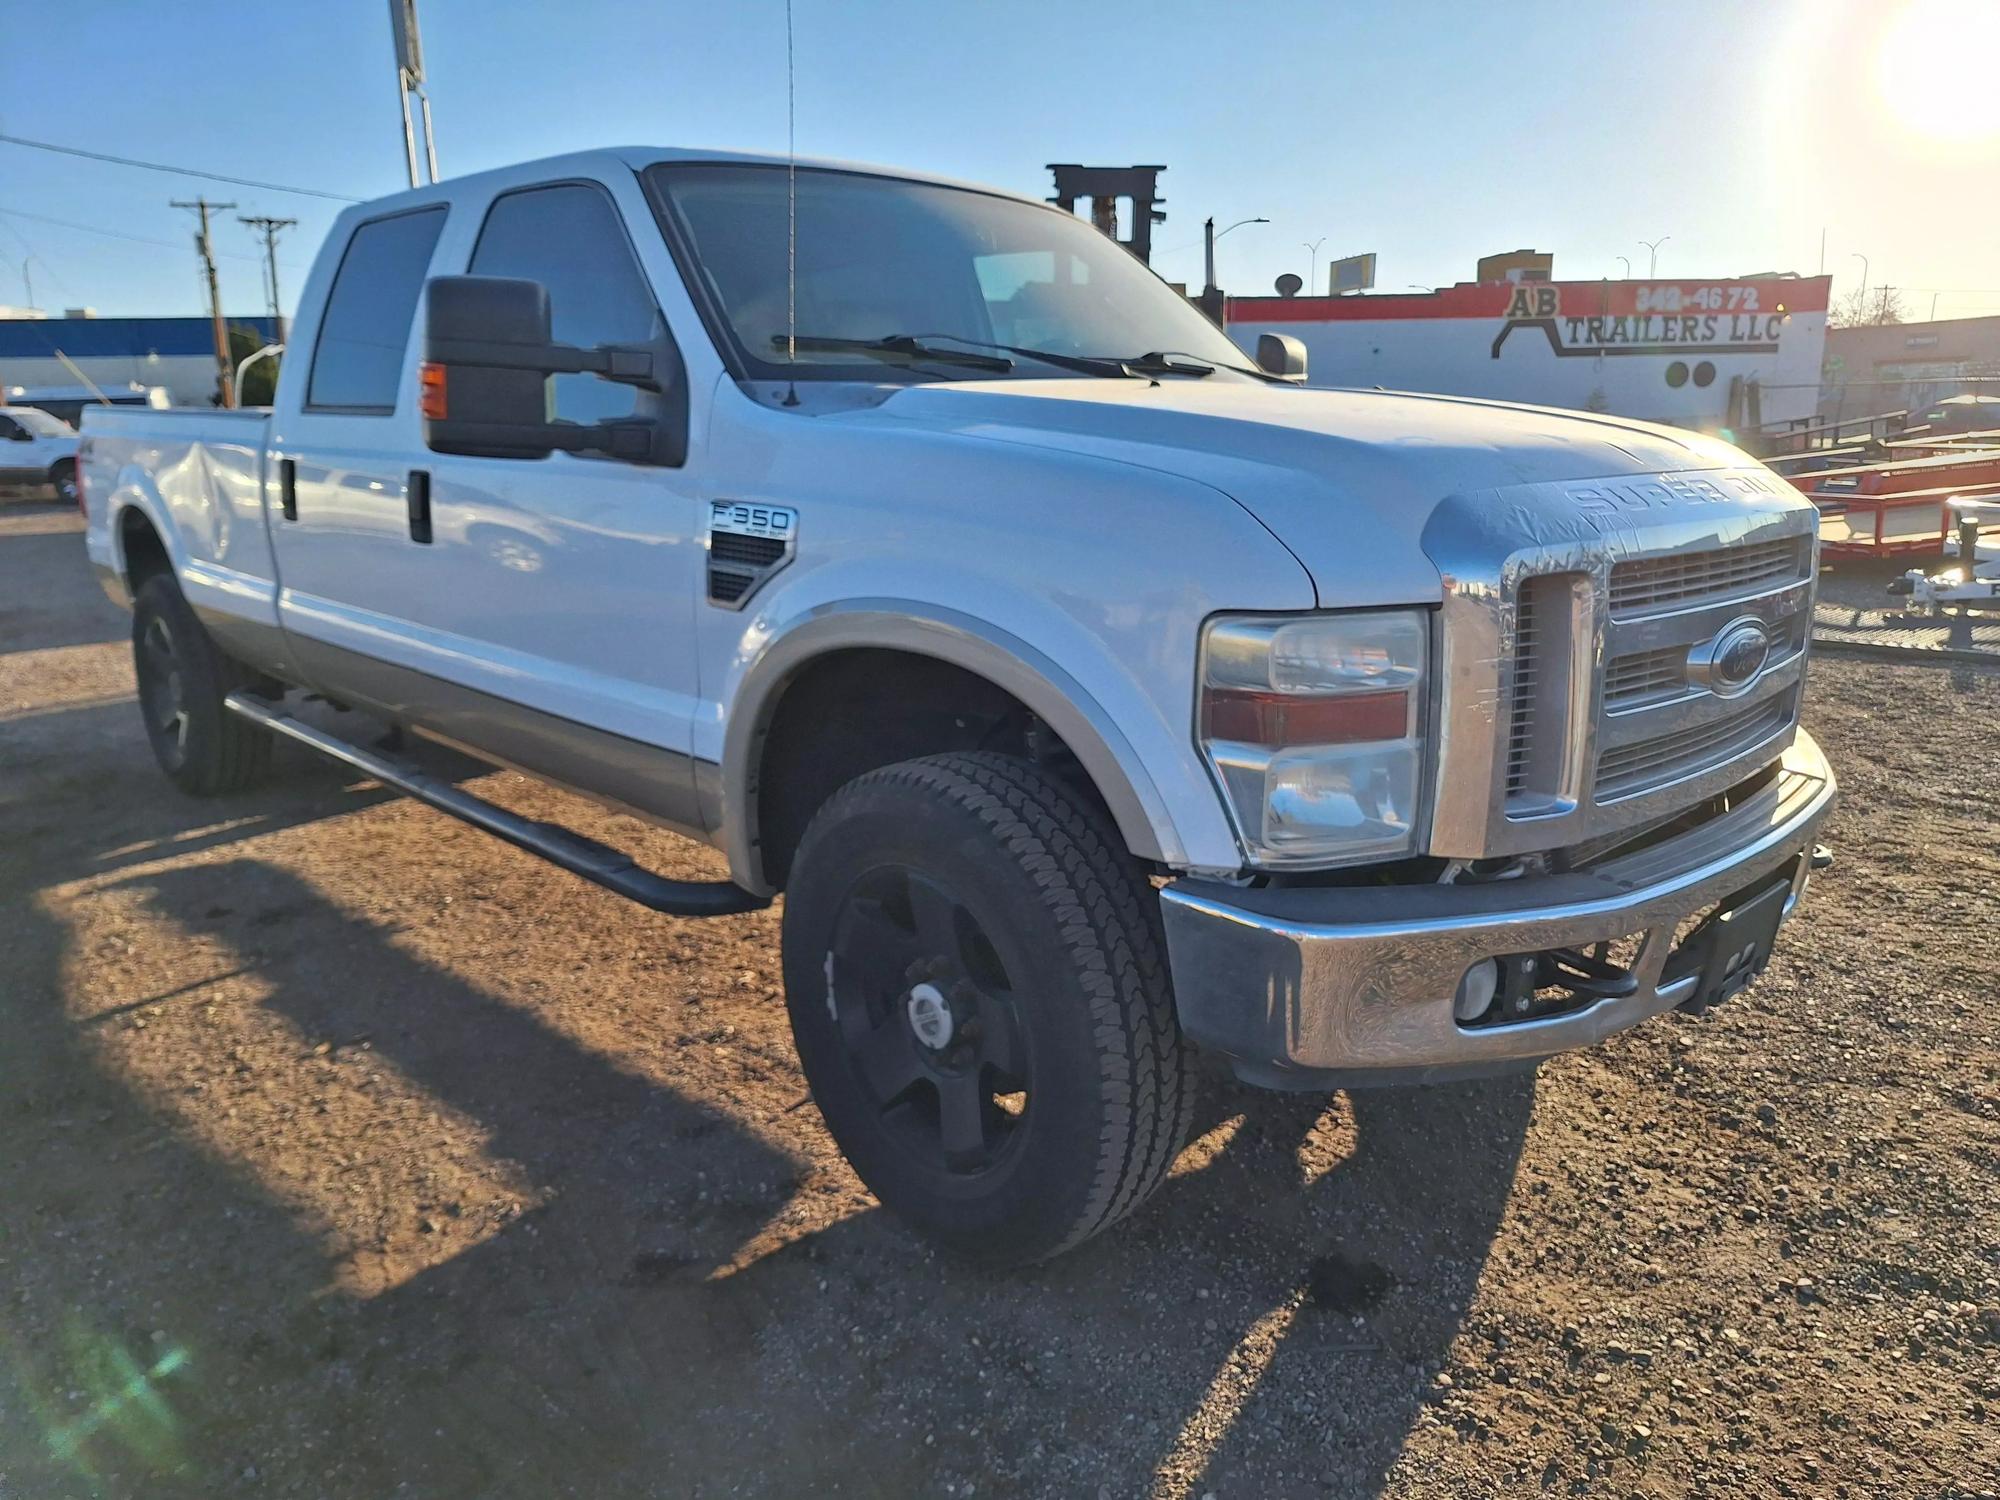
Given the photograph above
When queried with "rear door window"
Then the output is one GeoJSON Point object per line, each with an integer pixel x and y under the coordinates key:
{"type": "Point", "coordinates": [364, 336]}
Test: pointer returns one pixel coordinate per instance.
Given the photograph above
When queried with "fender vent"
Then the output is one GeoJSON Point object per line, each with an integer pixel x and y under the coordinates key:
{"type": "Point", "coordinates": [747, 543]}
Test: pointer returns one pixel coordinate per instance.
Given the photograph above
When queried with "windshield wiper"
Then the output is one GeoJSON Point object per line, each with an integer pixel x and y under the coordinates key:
{"type": "Point", "coordinates": [1163, 362]}
{"type": "Point", "coordinates": [898, 346]}
{"type": "Point", "coordinates": [1084, 364]}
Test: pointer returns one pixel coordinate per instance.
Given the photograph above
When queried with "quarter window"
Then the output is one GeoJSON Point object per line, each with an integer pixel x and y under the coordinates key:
{"type": "Point", "coordinates": [569, 237]}
{"type": "Point", "coordinates": [365, 334]}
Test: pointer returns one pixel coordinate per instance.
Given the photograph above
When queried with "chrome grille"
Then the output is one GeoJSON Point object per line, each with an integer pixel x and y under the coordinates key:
{"type": "Point", "coordinates": [1646, 765]}
{"type": "Point", "coordinates": [1651, 585]}
{"type": "Point", "coordinates": [1521, 722]}
{"type": "Point", "coordinates": [1646, 675]}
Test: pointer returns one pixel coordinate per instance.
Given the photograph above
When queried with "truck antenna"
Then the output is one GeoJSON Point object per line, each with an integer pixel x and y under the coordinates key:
{"type": "Point", "coordinates": [791, 217]}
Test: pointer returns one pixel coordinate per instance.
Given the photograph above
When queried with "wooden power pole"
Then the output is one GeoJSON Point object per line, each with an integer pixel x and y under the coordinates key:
{"type": "Point", "coordinates": [225, 386]}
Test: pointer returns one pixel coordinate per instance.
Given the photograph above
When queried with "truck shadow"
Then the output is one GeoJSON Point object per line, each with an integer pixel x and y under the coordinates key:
{"type": "Point", "coordinates": [642, 1321]}
{"type": "Point", "coordinates": [51, 600]}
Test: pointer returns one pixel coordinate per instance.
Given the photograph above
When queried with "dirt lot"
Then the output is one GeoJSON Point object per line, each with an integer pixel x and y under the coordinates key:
{"type": "Point", "coordinates": [346, 1152]}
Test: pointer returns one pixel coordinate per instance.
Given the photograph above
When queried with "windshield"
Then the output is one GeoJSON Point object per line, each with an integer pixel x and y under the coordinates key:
{"type": "Point", "coordinates": [883, 257]}
{"type": "Point", "coordinates": [41, 423]}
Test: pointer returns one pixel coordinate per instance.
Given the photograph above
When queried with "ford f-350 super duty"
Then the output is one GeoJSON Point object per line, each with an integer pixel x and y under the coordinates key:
{"type": "Point", "coordinates": [1093, 694]}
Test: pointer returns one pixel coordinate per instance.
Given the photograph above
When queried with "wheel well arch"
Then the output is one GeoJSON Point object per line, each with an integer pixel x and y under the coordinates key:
{"type": "Point", "coordinates": [896, 687]}
{"type": "Point", "coordinates": [141, 551]}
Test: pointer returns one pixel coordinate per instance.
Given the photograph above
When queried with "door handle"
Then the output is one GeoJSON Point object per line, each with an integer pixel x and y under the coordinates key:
{"type": "Point", "coordinates": [418, 493]}
{"type": "Point", "coordinates": [288, 488]}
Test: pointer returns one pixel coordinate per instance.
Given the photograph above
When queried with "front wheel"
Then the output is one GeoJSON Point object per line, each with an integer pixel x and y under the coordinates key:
{"type": "Point", "coordinates": [977, 987]}
{"type": "Point", "coordinates": [62, 479]}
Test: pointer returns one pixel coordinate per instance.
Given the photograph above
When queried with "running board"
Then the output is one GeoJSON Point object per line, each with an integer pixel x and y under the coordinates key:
{"type": "Point", "coordinates": [596, 862]}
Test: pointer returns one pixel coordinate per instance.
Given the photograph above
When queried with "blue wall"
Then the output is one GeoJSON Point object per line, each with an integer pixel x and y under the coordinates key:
{"type": "Point", "coordinates": [114, 338]}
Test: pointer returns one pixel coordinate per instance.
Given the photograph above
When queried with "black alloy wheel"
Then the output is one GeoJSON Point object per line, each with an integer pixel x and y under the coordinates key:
{"type": "Point", "coordinates": [925, 1009]}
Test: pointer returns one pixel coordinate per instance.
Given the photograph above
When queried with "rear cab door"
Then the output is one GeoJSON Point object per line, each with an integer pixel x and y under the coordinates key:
{"type": "Point", "coordinates": [343, 441]}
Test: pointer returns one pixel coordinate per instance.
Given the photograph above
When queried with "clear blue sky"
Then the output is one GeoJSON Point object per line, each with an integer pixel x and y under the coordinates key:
{"type": "Point", "coordinates": [1428, 132]}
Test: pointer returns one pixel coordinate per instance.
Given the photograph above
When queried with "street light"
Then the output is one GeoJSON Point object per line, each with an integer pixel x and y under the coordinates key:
{"type": "Point", "coordinates": [1653, 265]}
{"type": "Point", "coordinates": [1210, 234]}
{"type": "Point", "coordinates": [1628, 265]}
{"type": "Point", "coordinates": [1864, 275]}
{"type": "Point", "coordinates": [1312, 266]}
{"type": "Point", "coordinates": [1416, 288]}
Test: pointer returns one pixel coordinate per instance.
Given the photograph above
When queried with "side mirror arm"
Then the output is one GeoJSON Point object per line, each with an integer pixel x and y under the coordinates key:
{"type": "Point", "coordinates": [621, 363]}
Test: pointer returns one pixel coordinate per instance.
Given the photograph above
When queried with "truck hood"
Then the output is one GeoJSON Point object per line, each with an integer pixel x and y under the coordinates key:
{"type": "Point", "coordinates": [1345, 479]}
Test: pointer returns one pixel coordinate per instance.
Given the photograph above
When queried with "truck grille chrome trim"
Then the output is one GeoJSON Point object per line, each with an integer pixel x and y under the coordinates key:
{"type": "Point", "coordinates": [1573, 696]}
{"type": "Point", "coordinates": [1648, 765]}
{"type": "Point", "coordinates": [1645, 675]}
{"type": "Point", "coordinates": [1521, 726]}
{"type": "Point", "coordinates": [1649, 585]}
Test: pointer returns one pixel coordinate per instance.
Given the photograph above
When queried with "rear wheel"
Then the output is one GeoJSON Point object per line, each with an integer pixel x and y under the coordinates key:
{"type": "Point", "coordinates": [183, 679]}
{"type": "Point", "coordinates": [981, 1005]}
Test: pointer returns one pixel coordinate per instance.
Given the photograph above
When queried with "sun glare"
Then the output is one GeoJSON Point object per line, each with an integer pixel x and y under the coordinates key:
{"type": "Point", "coordinates": [1936, 66]}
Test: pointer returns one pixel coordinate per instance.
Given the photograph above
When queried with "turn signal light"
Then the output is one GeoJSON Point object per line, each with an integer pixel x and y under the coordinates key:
{"type": "Point", "coordinates": [1293, 719]}
{"type": "Point", "coordinates": [431, 401]}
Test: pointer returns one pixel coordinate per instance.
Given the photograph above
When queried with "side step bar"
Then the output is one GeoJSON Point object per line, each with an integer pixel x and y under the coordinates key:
{"type": "Point", "coordinates": [608, 867]}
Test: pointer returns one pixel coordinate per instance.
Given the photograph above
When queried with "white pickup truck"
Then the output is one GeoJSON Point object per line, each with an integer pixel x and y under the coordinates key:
{"type": "Point", "coordinates": [1092, 696]}
{"type": "Point", "coordinates": [37, 449]}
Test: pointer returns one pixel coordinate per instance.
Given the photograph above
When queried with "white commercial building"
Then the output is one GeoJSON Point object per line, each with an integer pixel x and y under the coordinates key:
{"type": "Point", "coordinates": [1733, 353]}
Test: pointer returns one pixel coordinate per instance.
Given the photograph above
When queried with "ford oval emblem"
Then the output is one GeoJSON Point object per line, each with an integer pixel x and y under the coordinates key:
{"type": "Point", "coordinates": [1729, 664]}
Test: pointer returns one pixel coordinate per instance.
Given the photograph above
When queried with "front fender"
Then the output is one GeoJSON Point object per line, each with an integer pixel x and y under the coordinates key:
{"type": "Point", "coordinates": [1186, 831]}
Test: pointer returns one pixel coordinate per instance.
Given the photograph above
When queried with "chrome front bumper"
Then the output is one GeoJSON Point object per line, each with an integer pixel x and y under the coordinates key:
{"type": "Point", "coordinates": [1311, 986]}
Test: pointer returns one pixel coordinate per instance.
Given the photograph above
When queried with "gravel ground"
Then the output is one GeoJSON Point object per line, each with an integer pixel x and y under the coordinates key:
{"type": "Point", "coordinates": [347, 1152]}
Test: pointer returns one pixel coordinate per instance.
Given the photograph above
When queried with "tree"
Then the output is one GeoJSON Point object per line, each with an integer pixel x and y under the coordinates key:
{"type": "Point", "coordinates": [261, 384]}
{"type": "Point", "coordinates": [1867, 309]}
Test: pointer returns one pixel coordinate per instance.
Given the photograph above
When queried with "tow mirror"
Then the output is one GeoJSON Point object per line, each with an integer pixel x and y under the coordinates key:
{"type": "Point", "coordinates": [1282, 355]}
{"type": "Point", "coordinates": [485, 391]}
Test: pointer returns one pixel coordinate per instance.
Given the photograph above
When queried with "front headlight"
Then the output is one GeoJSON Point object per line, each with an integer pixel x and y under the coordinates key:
{"type": "Point", "coordinates": [1314, 725]}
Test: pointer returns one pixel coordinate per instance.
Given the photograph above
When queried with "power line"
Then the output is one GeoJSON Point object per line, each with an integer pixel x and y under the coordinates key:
{"type": "Point", "coordinates": [119, 234]}
{"type": "Point", "coordinates": [153, 166]}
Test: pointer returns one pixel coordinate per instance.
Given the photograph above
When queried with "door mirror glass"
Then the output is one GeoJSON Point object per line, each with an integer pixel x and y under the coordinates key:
{"type": "Point", "coordinates": [488, 359]}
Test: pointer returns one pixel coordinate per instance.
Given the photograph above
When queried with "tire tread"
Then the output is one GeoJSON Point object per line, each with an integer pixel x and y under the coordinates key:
{"type": "Point", "coordinates": [1109, 918]}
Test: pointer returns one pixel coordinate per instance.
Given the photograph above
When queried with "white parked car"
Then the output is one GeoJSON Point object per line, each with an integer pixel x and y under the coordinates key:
{"type": "Point", "coordinates": [37, 449]}
{"type": "Point", "coordinates": [1091, 694]}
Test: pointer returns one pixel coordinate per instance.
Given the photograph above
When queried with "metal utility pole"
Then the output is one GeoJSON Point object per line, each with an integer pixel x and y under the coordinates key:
{"type": "Point", "coordinates": [270, 228]}
{"type": "Point", "coordinates": [1653, 265]}
{"type": "Point", "coordinates": [225, 388]}
{"type": "Point", "coordinates": [410, 78]}
{"type": "Point", "coordinates": [1312, 266]}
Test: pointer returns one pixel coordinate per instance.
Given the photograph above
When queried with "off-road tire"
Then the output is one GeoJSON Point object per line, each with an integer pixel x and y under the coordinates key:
{"type": "Point", "coordinates": [1111, 1095]}
{"type": "Point", "coordinates": [214, 751]}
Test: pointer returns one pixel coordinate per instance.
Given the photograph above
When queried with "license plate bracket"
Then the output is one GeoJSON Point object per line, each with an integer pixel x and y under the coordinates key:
{"type": "Point", "coordinates": [1733, 943]}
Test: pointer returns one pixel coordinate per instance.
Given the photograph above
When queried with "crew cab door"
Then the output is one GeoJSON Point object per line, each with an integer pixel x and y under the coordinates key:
{"type": "Point", "coordinates": [344, 439]}
{"type": "Point", "coordinates": [568, 582]}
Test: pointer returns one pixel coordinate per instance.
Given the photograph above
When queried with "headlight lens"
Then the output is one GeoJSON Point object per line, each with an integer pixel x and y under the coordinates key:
{"type": "Point", "coordinates": [1314, 725]}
